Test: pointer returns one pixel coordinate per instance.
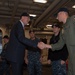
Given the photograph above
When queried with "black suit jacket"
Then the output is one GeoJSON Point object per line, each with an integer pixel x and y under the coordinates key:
{"type": "Point", "coordinates": [17, 43]}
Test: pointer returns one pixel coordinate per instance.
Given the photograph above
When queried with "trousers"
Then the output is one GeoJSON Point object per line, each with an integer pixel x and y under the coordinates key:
{"type": "Point", "coordinates": [58, 68]}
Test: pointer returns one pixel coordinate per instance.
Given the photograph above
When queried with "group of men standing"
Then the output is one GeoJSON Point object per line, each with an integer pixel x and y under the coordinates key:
{"type": "Point", "coordinates": [15, 50]}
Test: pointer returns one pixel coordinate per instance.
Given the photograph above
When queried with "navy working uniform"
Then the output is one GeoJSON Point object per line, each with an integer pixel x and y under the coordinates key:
{"type": "Point", "coordinates": [57, 56]}
{"type": "Point", "coordinates": [34, 64]}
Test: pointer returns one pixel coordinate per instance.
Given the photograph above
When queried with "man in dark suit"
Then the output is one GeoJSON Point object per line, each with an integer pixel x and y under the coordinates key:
{"type": "Point", "coordinates": [17, 43]}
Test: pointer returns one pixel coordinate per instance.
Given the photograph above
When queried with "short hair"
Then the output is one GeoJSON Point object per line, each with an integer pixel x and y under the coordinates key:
{"type": "Point", "coordinates": [24, 14]}
{"type": "Point", "coordinates": [31, 31]}
{"type": "Point", "coordinates": [63, 10]}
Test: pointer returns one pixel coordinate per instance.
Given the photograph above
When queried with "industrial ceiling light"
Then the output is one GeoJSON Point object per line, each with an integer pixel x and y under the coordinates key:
{"type": "Point", "coordinates": [48, 26]}
{"type": "Point", "coordinates": [40, 1]}
{"type": "Point", "coordinates": [73, 6]}
{"type": "Point", "coordinates": [33, 15]}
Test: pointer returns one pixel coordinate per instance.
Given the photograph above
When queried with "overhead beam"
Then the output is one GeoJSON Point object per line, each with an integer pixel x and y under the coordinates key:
{"type": "Point", "coordinates": [47, 11]}
{"type": "Point", "coordinates": [63, 3]}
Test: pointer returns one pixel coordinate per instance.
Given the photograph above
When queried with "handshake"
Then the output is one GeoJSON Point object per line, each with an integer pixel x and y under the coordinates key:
{"type": "Point", "coordinates": [42, 45]}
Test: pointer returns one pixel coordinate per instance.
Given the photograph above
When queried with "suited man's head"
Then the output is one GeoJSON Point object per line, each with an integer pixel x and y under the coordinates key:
{"type": "Point", "coordinates": [25, 18]}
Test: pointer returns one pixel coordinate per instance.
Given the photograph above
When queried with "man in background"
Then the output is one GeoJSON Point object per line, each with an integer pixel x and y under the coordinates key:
{"type": "Point", "coordinates": [33, 57]}
{"type": "Point", "coordinates": [5, 66]}
{"type": "Point", "coordinates": [57, 58]}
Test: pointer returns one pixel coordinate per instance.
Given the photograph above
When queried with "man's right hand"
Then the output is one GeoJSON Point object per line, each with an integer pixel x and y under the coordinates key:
{"type": "Point", "coordinates": [41, 45]}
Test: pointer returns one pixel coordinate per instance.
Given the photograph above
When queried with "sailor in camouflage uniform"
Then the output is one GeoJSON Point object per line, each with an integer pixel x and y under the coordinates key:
{"type": "Point", "coordinates": [57, 58]}
{"type": "Point", "coordinates": [33, 56]}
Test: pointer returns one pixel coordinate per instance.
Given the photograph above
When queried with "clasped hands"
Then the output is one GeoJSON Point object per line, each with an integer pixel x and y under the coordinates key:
{"type": "Point", "coordinates": [42, 45]}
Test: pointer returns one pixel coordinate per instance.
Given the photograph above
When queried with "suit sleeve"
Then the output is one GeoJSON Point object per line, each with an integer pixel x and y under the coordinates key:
{"type": "Point", "coordinates": [59, 44]}
{"type": "Point", "coordinates": [19, 32]}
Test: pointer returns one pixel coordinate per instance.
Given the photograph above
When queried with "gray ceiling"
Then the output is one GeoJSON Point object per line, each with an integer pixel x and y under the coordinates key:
{"type": "Point", "coordinates": [10, 11]}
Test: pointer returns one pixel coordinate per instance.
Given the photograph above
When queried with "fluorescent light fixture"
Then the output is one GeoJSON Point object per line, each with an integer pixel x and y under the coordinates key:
{"type": "Point", "coordinates": [48, 26]}
{"type": "Point", "coordinates": [73, 6]}
{"type": "Point", "coordinates": [41, 1]}
{"type": "Point", "coordinates": [33, 15]}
